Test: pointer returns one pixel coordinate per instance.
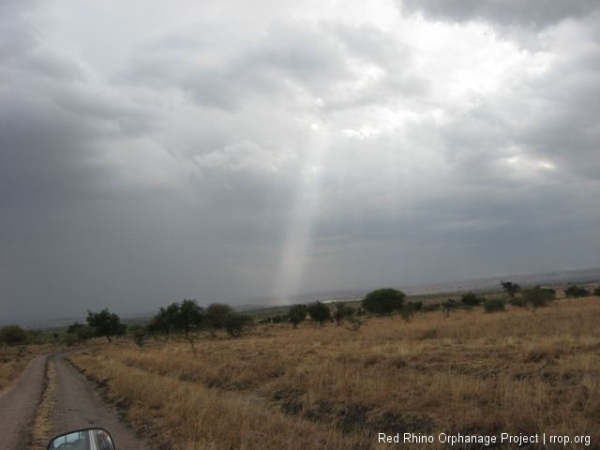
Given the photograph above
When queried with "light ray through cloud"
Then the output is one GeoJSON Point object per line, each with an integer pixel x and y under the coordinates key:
{"type": "Point", "coordinates": [306, 206]}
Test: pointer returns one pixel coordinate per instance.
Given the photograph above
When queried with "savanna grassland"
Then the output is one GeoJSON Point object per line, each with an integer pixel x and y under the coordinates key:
{"type": "Point", "coordinates": [519, 371]}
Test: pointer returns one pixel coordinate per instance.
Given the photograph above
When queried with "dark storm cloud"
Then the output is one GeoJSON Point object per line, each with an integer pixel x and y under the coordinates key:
{"type": "Point", "coordinates": [51, 119]}
{"type": "Point", "coordinates": [534, 14]}
{"type": "Point", "coordinates": [180, 164]}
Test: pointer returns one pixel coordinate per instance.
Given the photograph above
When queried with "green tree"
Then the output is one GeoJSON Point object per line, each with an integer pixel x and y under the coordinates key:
{"type": "Point", "coordinates": [341, 312]}
{"type": "Point", "coordinates": [216, 313]}
{"type": "Point", "coordinates": [471, 299]}
{"type": "Point", "coordinates": [511, 288]}
{"type": "Point", "coordinates": [450, 305]}
{"type": "Point", "coordinates": [189, 317]}
{"type": "Point", "coordinates": [319, 312]}
{"type": "Point", "coordinates": [105, 323]}
{"type": "Point", "coordinates": [576, 291]}
{"type": "Point", "coordinates": [139, 333]}
{"type": "Point", "coordinates": [297, 314]}
{"type": "Point", "coordinates": [80, 332]}
{"type": "Point", "coordinates": [166, 320]}
{"type": "Point", "coordinates": [13, 335]}
{"type": "Point", "coordinates": [494, 305]}
{"type": "Point", "coordinates": [384, 301]}
{"type": "Point", "coordinates": [235, 324]}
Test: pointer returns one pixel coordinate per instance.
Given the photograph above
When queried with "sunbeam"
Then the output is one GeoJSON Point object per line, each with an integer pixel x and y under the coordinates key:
{"type": "Point", "coordinates": [302, 219]}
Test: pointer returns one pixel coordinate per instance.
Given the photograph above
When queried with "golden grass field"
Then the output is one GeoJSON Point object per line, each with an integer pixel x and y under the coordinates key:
{"type": "Point", "coordinates": [519, 371]}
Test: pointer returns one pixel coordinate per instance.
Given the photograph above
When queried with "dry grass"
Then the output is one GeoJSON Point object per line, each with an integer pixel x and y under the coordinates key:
{"type": "Point", "coordinates": [312, 388]}
{"type": "Point", "coordinates": [14, 360]}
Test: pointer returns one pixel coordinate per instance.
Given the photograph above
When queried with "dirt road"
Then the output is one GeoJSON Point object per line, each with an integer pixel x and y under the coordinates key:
{"type": "Point", "coordinates": [76, 406]}
{"type": "Point", "coordinates": [18, 406]}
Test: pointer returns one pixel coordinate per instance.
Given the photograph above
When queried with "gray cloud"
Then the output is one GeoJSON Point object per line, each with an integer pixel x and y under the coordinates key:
{"type": "Point", "coordinates": [535, 14]}
{"type": "Point", "coordinates": [189, 162]}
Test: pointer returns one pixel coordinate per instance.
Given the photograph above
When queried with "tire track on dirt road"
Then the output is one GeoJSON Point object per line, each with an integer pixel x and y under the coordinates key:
{"type": "Point", "coordinates": [18, 405]}
{"type": "Point", "coordinates": [78, 405]}
{"type": "Point", "coordinates": [75, 405]}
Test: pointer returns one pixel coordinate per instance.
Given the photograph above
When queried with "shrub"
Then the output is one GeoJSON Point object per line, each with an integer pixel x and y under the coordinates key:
{"type": "Point", "coordinates": [494, 305]}
{"type": "Point", "coordinates": [139, 334]}
{"type": "Point", "coordinates": [430, 307]}
{"type": "Point", "coordinates": [80, 332]}
{"type": "Point", "coordinates": [384, 301]}
{"type": "Point", "coordinates": [510, 287]}
{"type": "Point", "coordinates": [597, 291]}
{"type": "Point", "coordinates": [519, 302]}
{"type": "Point", "coordinates": [415, 306]}
{"type": "Point", "coordinates": [235, 324]}
{"type": "Point", "coordinates": [471, 299]}
{"type": "Point", "coordinates": [13, 335]}
{"type": "Point", "coordinates": [216, 314]}
{"type": "Point", "coordinates": [297, 314]}
{"type": "Point", "coordinates": [319, 312]}
{"type": "Point", "coordinates": [341, 312]}
{"type": "Point", "coordinates": [576, 291]}
{"type": "Point", "coordinates": [538, 297]}
{"type": "Point", "coordinates": [165, 321]}
{"type": "Point", "coordinates": [449, 305]}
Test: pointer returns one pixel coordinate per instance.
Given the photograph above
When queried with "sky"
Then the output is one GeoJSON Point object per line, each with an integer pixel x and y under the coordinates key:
{"type": "Point", "coordinates": [240, 151]}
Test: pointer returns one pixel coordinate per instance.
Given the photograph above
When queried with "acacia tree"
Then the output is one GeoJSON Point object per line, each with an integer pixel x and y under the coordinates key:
{"type": "Point", "coordinates": [319, 312]}
{"type": "Point", "coordinates": [384, 301]}
{"type": "Point", "coordinates": [185, 317]}
{"type": "Point", "coordinates": [297, 314]}
{"type": "Point", "coordinates": [538, 297]}
{"type": "Point", "coordinates": [235, 324]}
{"type": "Point", "coordinates": [189, 317]}
{"type": "Point", "coordinates": [511, 288]}
{"type": "Point", "coordinates": [342, 312]}
{"type": "Point", "coordinates": [79, 332]}
{"type": "Point", "coordinates": [576, 291]}
{"type": "Point", "coordinates": [216, 313]}
{"type": "Point", "coordinates": [105, 323]}
{"type": "Point", "coordinates": [166, 320]}
{"type": "Point", "coordinates": [13, 335]}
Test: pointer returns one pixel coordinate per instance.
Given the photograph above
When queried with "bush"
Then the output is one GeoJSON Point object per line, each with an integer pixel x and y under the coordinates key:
{"type": "Point", "coordinates": [449, 305]}
{"type": "Point", "coordinates": [576, 291]}
{"type": "Point", "coordinates": [597, 291]}
{"type": "Point", "coordinates": [471, 299]}
{"type": "Point", "coordinates": [139, 333]}
{"type": "Point", "coordinates": [13, 335]}
{"type": "Point", "coordinates": [538, 297]}
{"type": "Point", "coordinates": [166, 320]}
{"type": "Point", "coordinates": [297, 314]}
{"type": "Point", "coordinates": [510, 287]}
{"type": "Point", "coordinates": [79, 332]}
{"type": "Point", "coordinates": [217, 313]}
{"type": "Point", "coordinates": [431, 307]}
{"type": "Point", "coordinates": [235, 324]}
{"type": "Point", "coordinates": [415, 306]}
{"type": "Point", "coordinates": [494, 305]}
{"type": "Point", "coordinates": [342, 312]}
{"type": "Point", "coordinates": [519, 302]}
{"type": "Point", "coordinates": [384, 301]}
{"type": "Point", "coordinates": [319, 312]}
